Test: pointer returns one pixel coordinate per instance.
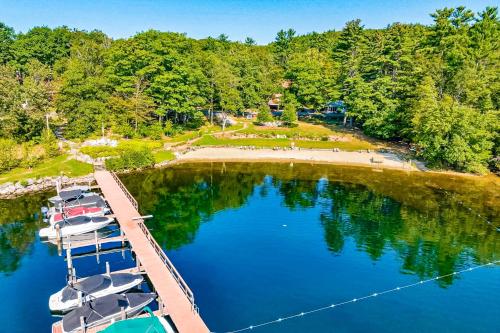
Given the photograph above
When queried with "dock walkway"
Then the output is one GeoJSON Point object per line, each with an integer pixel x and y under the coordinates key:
{"type": "Point", "coordinates": [176, 298]}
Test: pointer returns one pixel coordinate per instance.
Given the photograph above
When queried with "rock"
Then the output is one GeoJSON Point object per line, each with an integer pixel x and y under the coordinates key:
{"type": "Point", "coordinates": [3, 186]}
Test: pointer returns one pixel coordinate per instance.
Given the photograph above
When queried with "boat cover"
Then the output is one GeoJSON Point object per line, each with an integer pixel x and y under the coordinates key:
{"type": "Point", "coordinates": [96, 283]}
{"type": "Point", "coordinates": [76, 211]}
{"type": "Point", "coordinates": [79, 220]}
{"type": "Point", "coordinates": [86, 286]}
{"type": "Point", "coordinates": [103, 308]}
{"type": "Point", "coordinates": [70, 195]}
{"type": "Point", "coordinates": [94, 200]}
{"type": "Point", "coordinates": [120, 279]}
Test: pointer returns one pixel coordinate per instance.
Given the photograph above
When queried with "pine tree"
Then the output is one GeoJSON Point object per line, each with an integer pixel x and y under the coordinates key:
{"type": "Point", "coordinates": [264, 115]}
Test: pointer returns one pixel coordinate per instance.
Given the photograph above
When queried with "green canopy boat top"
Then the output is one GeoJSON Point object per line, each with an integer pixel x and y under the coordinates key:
{"type": "Point", "coordinates": [151, 324]}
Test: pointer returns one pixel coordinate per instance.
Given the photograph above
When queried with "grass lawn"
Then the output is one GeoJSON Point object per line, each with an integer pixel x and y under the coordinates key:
{"type": "Point", "coordinates": [206, 129]}
{"type": "Point", "coordinates": [209, 140]}
{"type": "Point", "coordinates": [163, 155]}
{"type": "Point", "coordinates": [50, 167]}
{"type": "Point", "coordinates": [124, 144]}
{"type": "Point", "coordinates": [303, 129]}
{"type": "Point", "coordinates": [183, 137]}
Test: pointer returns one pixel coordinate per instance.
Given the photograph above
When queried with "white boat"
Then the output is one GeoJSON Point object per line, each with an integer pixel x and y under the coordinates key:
{"type": "Point", "coordinates": [75, 226]}
{"type": "Point", "coordinates": [105, 310]}
{"type": "Point", "coordinates": [90, 288]}
{"type": "Point", "coordinates": [90, 211]}
{"type": "Point", "coordinates": [93, 200]}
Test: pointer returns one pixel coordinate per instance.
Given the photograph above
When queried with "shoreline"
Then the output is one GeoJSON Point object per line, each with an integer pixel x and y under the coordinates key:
{"type": "Point", "coordinates": [367, 159]}
{"type": "Point", "coordinates": [372, 160]}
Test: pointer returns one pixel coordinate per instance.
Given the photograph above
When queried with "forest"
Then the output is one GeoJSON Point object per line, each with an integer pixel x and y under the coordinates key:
{"type": "Point", "coordinates": [436, 87]}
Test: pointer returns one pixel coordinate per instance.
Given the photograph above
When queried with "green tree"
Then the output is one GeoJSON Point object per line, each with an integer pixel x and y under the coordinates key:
{"type": "Point", "coordinates": [289, 116]}
{"type": "Point", "coordinates": [85, 89]}
{"type": "Point", "coordinates": [283, 46]}
{"type": "Point", "coordinates": [312, 78]}
{"type": "Point", "coordinates": [250, 41]}
{"type": "Point", "coordinates": [264, 115]}
{"type": "Point", "coordinates": [7, 37]}
{"type": "Point", "coordinates": [450, 134]}
{"type": "Point", "coordinates": [43, 44]}
{"type": "Point", "coordinates": [178, 92]}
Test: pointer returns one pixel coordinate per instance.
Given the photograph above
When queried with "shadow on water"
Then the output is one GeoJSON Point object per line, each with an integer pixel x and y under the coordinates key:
{"type": "Point", "coordinates": [20, 220]}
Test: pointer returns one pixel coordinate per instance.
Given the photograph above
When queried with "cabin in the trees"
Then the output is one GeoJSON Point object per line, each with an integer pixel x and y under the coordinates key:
{"type": "Point", "coordinates": [275, 102]}
{"type": "Point", "coordinates": [335, 107]}
{"type": "Point", "coordinates": [250, 114]}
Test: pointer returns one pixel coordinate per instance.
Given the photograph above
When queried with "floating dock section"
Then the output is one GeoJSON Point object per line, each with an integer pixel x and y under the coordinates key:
{"type": "Point", "coordinates": [174, 296]}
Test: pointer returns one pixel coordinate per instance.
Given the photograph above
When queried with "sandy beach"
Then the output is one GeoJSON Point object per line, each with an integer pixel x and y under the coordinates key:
{"type": "Point", "coordinates": [372, 159]}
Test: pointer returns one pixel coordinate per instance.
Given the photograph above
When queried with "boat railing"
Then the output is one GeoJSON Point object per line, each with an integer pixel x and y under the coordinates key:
{"type": "Point", "coordinates": [127, 193]}
{"type": "Point", "coordinates": [158, 249]}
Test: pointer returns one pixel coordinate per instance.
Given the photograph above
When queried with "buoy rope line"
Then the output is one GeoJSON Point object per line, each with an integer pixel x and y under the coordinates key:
{"type": "Point", "coordinates": [359, 299]}
{"type": "Point", "coordinates": [472, 211]}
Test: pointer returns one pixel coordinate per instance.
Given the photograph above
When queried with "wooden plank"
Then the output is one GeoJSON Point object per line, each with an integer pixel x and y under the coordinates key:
{"type": "Point", "coordinates": [177, 305]}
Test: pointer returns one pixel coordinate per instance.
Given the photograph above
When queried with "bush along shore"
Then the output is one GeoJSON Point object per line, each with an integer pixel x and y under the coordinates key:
{"type": "Point", "coordinates": [12, 190]}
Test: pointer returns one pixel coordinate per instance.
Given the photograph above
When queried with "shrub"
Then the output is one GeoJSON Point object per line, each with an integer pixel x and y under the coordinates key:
{"type": "Point", "coordinates": [155, 131]}
{"type": "Point", "coordinates": [169, 128]}
{"type": "Point", "coordinates": [126, 131]}
{"type": "Point", "coordinates": [131, 159]}
{"type": "Point", "coordinates": [197, 121]}
{"type": "Point", "coordinates": [49, 143]}
{"type": "Point", "coordinates": [31, 155]}
{"type": "Point", "coordinates": [99, 151]}
{"type": "Point", "coordinates": [8, 155]}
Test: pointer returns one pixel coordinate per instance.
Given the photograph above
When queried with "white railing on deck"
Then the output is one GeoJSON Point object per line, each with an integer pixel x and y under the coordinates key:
{"type": "Point", "coordinates": [159, 251]}
{"type": "Point", "coordinates": [127, 193]}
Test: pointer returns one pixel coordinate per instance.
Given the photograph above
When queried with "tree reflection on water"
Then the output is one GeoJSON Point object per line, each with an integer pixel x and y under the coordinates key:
{"type": "Point", "coordinates": [425, 218]}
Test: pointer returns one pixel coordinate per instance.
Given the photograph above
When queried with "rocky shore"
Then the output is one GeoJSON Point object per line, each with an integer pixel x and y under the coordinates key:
{"type": "Point", "coordinates": [12, 190]}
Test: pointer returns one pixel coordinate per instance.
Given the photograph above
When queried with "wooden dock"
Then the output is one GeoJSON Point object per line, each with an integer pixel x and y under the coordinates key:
{"type": "Point", "coordinates": [175, 297]}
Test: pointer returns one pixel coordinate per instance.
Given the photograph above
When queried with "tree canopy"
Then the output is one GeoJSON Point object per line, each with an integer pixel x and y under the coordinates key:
{"type": "Point", "coordinates": [436, 86]}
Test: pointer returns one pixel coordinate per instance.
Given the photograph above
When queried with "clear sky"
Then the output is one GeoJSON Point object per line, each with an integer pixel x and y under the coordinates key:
{"type": "Point", "coordinates": [259, 19]}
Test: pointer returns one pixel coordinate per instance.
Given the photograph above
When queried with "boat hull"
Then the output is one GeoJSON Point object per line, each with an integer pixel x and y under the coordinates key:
{"type": "Point", "coordinates": [57, 305]}
{"type": "Point", "coordinates": [51, 232]}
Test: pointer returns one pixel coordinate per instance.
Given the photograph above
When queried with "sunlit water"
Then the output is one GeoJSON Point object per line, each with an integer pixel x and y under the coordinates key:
{"type": "Point", "coordinates": [257, 242]}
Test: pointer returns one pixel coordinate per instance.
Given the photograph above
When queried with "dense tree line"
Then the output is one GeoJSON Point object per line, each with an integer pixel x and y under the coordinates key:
{"type": "Point", "coordinates": [435, 86]}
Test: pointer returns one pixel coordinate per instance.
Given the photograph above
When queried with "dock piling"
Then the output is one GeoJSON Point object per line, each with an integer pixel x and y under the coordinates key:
{"type": "Point", "coordinates": [69, 260]}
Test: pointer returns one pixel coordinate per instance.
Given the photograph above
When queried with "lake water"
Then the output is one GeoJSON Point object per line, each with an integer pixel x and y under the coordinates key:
{"type": "Point", "coordinates": [257, 242]}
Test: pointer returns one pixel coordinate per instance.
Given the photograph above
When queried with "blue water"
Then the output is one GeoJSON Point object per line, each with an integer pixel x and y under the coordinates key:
{"type": "Point", "coordinates": [264, 261]}
{"type": "Point", "coordinates": [30, 270]}
{"type": "Point", "coordinates": [258, 242]}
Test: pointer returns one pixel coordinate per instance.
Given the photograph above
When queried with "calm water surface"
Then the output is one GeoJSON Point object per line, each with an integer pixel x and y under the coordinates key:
{"type": "Point", "coordinates": [257, 242]}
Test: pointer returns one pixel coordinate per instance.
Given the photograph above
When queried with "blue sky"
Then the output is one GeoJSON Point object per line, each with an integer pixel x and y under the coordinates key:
{"type": "Point", "coordinates": [259, 19]}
